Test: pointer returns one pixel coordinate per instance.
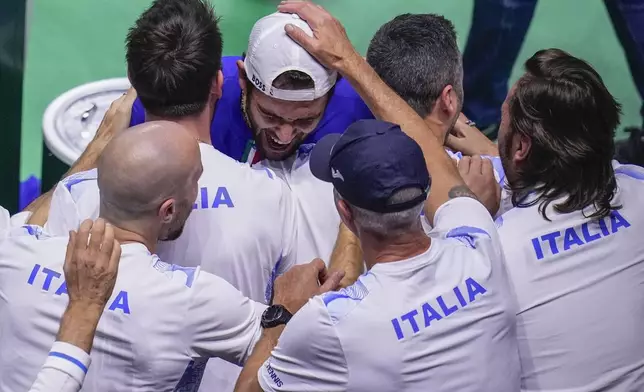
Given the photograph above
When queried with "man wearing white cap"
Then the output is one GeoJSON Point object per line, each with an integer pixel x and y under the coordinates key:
{"type": "Point", "coordinates": [276, 97]}
{"type": "Point", "coordinates": [277, 101]}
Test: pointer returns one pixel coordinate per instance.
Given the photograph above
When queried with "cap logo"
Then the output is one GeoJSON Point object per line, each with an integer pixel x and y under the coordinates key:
{"type": "Point", "coordinates": [258, 83]}
{"type": "Point", "coordinates": [336, 174]}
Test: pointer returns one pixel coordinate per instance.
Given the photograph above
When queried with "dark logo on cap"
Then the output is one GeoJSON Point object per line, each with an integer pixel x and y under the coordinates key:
{"type": "Point", "coordinates": [258, 83]}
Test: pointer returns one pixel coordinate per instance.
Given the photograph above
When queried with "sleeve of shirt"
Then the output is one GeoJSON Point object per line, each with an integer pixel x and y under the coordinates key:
{"type": "Point", "coordinates": [468, 221]}
{"type": "Point", "coordinates": [63, 371]}
{"type": "Point", "coordinates": [288, 211]}
{"type": "Point", "coordinates": [308, 356]}
{"type": "Point", "coordinates": [74, 199]}
{"type": "Point", "coordinates": [20, 219]}
{"type": "Point", "coordinates": [223, 323]}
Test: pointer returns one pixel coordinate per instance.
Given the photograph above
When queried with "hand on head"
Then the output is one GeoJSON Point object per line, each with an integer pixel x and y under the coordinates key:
{"type": "Point", "coordinates": [91, 265]}
{"type": "Point", "coordinates": [117, 117]}
{"type": "Point", "coordinates": [478, 175]}
{"type": "Point", "coordinates": [302, 282]}
{"type": "Point", "coordinates": [329, 44]}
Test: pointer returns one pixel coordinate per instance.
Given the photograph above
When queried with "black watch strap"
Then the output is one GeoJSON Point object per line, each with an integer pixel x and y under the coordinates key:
{"type": "Point", "coordinates": [275, 315]}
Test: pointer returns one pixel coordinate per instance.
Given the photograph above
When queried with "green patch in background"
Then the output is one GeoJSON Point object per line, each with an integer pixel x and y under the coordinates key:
{"type": "Point", "coordinates": [72, 42]}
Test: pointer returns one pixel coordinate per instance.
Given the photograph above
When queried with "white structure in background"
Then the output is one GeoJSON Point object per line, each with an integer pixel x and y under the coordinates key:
{"type": "Point", "coordinates": [71, 120]}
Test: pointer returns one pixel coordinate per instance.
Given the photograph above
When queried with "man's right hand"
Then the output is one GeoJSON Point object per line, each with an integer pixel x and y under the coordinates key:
{"type": "Point", "coordinates": [117, 117]}
{"type": "Point", "coordinates": [302, 282]}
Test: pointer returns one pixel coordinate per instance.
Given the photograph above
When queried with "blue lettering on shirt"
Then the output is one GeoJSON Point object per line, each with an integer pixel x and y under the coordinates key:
{"type": "Point", "coordinates": [428, 314]}
{"type": "Point", "coordinates": [551, 244]}
{"type": "Point", "coordinates": [229, 132]}
{"type": "Point", "coordinates": [273, 375]}
{"type": "Point", "coordinates": [221, 198]}
{"type": "Point", "coordinates": [52, 281]}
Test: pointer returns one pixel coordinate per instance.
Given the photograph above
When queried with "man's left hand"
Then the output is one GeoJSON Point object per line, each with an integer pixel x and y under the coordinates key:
{"type": "Point", "coordinates": [297, 285]}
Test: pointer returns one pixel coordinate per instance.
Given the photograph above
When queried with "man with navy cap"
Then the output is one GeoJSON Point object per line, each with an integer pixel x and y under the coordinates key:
{"type": "Point", "coordinates": [430, 311]}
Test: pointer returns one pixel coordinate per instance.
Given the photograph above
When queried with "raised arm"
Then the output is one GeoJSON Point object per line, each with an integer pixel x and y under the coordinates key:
{"type": "Point", "coordinates": [116, 119]}
{"type": "Point", "coordinates": [331, 46]}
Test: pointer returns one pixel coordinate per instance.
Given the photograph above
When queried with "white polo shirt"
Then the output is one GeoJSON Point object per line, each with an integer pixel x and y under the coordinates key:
{"type": "Point", "coordinates": [441, 321]}
{"type": "Point", "coordinates": [580, 289]}
{"type": "Point", "coordinates": [318, 220]}
{"type": "Point", "coordinates": [242, 228]}
{"type": "Point", "coordinates": [158, 319]}
{"type": "Point", "coordinates": [13, 225]}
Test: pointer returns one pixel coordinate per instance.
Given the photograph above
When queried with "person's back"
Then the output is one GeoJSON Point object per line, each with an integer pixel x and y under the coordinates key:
{"type": "Point", "coordinates": [572, 249]}
{"type": "Point", "coordinates": [148, 334]}
{"type": "Point", "coordinates": [451, 300]}
{"type": "Point", "coordinates": [580, 287]}
{"type": "Point", "coordinates": [160, 316]}
{"type": "Point", "coordinates": [433, 313]}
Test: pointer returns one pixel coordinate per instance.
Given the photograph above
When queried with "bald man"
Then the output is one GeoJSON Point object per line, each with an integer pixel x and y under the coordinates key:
{"type": "Point", "coordinates": [160, 316]}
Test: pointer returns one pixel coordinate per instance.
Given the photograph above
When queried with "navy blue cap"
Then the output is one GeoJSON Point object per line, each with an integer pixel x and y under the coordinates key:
{"type": "Point", "coordinates": [370, 162]}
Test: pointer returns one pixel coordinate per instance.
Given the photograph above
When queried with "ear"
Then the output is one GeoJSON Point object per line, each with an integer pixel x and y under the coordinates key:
{"type": "Point", "coordinates": [346, 216]}
{"type": "Point", "coordinates": [448, 101]}
{"type": "Point", "coordinates": [217, 85]}
{"type": "Point", "coordinates": [241, 74]}
{"type": "Point", "coordinates": [522, 146]}
{"type": "Point", "coordinates": [167, 211]}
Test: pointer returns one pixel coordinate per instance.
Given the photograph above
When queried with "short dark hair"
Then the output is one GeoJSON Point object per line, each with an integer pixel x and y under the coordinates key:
{"type": "Point", "coordinates": [173, 53]}
{"type": "Point", "coordinates": [293, 80]}
{"type": "Point", "coordinates": [417, 56]}
{"type": "Point", "coordinates": [290, 80]}
{"type": "Point", "coordinates": [563, 106]}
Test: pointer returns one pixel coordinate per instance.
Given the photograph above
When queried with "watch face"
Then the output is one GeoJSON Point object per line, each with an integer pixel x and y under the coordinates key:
{"type": "Point", "coordinates": [71, 120]}
{"type": "Point", "coordinates": [273, 313]}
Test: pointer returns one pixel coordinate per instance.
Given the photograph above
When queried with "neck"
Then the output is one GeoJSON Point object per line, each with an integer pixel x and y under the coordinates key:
{"type": "Point", "coordinates": [198, 125]}
{"type": "Point", "coordinates": [439, 128]}
{"type": "Point", "coordinates": [378, 250]}
{"type": "Point", "coordinates": [126, 233]}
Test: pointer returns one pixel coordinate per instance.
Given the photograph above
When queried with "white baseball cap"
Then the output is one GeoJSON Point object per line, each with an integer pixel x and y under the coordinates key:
{"type": "Point", "coordinates": [271, 53]}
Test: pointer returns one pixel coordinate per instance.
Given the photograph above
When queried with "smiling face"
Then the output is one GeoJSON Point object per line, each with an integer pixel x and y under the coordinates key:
{"type": "Point", "coordinates": [279, 126]}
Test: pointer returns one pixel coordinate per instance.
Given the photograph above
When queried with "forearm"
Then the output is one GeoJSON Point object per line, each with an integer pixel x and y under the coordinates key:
{"type": "Point", "coordinates": [347, 256]}
{"type": "Point", "coordinates": [78, 326]}
{"type": "Point", "coordinates": [247, 381]}
{"type": "Point", "coordinates": [39, 208]}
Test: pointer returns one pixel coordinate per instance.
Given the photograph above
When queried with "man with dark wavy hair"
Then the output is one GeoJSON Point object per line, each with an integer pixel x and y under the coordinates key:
{"type": "Point", "coordinates": [571, 244]}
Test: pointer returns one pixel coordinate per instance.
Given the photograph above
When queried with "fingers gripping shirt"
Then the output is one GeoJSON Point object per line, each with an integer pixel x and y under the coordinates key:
{"type": "Point", "coordinates": [444, 318]}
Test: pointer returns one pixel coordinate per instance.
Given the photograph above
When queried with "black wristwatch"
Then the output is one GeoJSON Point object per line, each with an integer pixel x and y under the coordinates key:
{"type": "Point", "coordinates": [275, 315]}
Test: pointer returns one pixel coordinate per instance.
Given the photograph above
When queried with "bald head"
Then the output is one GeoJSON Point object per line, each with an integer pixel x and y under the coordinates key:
{"type": "Point", "coordinates": [143, 167]}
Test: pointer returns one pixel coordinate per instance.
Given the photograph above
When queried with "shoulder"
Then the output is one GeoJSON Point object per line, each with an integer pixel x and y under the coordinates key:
{"type": "Point", "coordinates": [229, 66]}
{"type": "Point", "coordinates": [182, 276]}
{"type": "Point", "coordinates": [80, 177]}
{"type": "Point", "coordinates": [231, 77]}
{"type": "Point", "coordinates": [339, 304]}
